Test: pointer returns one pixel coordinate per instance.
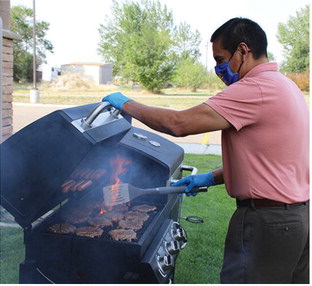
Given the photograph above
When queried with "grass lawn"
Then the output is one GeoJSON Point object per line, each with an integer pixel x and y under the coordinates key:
{"type": "Point", "coordinates": [199, 262]}
{"type": "Point", "coordinates": [173, 102]}
{"type": "Point", "coordinates": [11, 254]}
{"type": "Point", "coordinates": [171, 98]}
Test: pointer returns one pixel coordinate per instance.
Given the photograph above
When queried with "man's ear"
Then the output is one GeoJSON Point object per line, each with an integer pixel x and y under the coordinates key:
{"type": "Point", "coordinates": [243, 49]}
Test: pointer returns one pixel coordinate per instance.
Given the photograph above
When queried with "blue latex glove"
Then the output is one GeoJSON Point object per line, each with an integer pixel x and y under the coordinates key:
{"type": "Point", "coordinates": [195, 181]}
{"type": "Point", "coordinates": [116, 99]}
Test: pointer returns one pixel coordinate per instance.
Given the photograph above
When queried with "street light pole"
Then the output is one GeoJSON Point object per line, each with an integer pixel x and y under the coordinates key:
{"type": "Point", "coordinates": [34, 45]}
{"type": "Point", "coordinates": [34, 92]}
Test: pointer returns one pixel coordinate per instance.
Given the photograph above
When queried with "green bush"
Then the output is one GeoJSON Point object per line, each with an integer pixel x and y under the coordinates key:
{"type": "Point", "coordinates": [214, 82]}
{"type": "Point", "coordinates": [190, 75]}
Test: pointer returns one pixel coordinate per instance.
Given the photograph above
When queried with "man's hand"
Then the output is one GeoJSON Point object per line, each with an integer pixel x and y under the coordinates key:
{"type": "Point", "coordinates": [195, 181]}
{"type": "Point", "coordinates": [116, 99]}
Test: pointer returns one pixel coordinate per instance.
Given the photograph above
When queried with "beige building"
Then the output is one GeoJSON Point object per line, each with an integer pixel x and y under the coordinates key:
{"type": "Point", "coordinates": [98, 73]}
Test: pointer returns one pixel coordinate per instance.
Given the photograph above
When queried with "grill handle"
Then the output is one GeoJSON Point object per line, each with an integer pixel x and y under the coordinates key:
{"type": "Point", "coordinates": [87, 122]}
{"type": "Point", "coordinates": [192, 169]}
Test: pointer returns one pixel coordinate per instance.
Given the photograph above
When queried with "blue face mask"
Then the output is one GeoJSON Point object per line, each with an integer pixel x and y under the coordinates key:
{"type": "Point", "coordinates": [224, 72]}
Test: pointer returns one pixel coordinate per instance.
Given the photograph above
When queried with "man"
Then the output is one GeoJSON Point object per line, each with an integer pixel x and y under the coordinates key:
{"type": "Point", "coordinates": [265, 129]}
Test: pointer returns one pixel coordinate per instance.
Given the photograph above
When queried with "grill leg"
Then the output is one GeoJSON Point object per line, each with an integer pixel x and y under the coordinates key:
{"type": "Point", "coordinates": [27, 273]}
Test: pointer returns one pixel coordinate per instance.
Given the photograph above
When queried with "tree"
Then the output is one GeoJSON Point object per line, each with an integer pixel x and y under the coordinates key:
{"type": "Point", "coordinates": [186, 42]}
{"type": "Point", "coordinates": [190, 74]}
{"type": "Point", "coordinates": [294, 36]}
{"type": "Point", "coordinates": [139, 41]}
{"type": "Point", "coordinates": [22, 24]}
{"type": "Point", "coordinates": [271, 57]}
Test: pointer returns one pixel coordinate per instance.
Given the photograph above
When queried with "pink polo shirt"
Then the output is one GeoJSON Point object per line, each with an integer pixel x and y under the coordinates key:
{"type": "Point", "coordinates": [266, 152]}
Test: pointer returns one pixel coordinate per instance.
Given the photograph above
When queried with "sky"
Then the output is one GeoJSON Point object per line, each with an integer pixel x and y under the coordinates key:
{"type": "Point", "coordinates": [74, 24]}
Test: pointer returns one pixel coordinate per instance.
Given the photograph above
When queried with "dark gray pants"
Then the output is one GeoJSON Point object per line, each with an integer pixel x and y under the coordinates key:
{"type": "Point", "coordinates": [267, 245]}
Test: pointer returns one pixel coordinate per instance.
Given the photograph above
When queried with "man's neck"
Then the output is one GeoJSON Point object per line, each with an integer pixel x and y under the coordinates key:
{"type": "Point", "coordinates": [252, 64]}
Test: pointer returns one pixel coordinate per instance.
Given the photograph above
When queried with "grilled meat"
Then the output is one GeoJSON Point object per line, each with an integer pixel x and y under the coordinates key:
{"type": "Point", "coordinates": [114, 216]}
{"type": "Point", "coordinates": [135, 215]}
{"type": "Point", "coordinates": [78, 214]}
{"type": "Point", "coordinates": [100, 221]}
{"type": "Point", "coordinates": [81, 178]}
{"type": "Point", "coordinates": [84, 173]}
{"type": "Point", "coordinates": [130, 224]}
{"type": "Point", "coordinates": [144, 208]}
{"type": "Point", "coordinates": [75, 185]}
{"type": "Point", "coordinates": [123, 234]}
{"type": "Point", "coordinates": [67, 185]}
{"type": "Point", "coordinates": [84, 208]}
{"type": "Point", "coordinates": [84, 185]}
{"type": "Point", "coordinates": [76, 219]}
{"type": "Point", "coordinates": [98, 174]}
{"type": "Point", "coordinates": [89, 231]}
{"type": "Point", "coordinates": [62, 228]}
{"type": "Point", "coordinates": [120, 208]}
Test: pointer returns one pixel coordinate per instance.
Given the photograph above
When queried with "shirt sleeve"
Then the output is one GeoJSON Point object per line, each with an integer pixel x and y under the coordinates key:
{"type": "Point", "coordinates": [240, 103]}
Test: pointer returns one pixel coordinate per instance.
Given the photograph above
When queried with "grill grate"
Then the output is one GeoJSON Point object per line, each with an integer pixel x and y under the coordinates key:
{"type": "Point", "coordinates": [60, 217]}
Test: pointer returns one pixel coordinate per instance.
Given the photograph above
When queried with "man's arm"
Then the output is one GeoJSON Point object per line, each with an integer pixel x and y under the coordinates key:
{"type": "Point", "coordinates": [200, 180]}
{"type": "Point", "coordinates": [198, 119]}
{"type": "Point", "coordinates": [218, 176]}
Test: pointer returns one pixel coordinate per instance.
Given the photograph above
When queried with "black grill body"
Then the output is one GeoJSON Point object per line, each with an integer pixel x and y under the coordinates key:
{"type": "Point", "coordinates": [39, 158]}
{"type": "Point", "coordinates": [71, 259]}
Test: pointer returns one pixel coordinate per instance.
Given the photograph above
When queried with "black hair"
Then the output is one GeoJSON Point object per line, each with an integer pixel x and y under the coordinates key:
{"type": "Point", "coordinates": [239, 30]}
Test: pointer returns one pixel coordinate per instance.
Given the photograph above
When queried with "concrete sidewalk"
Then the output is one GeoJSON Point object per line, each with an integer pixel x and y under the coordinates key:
{"type": "Point", "coordinates": [208, 143]}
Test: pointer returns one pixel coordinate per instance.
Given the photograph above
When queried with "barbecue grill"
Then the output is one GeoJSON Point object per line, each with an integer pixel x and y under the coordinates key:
{"type": "Point", "coordinates": [52, 179]}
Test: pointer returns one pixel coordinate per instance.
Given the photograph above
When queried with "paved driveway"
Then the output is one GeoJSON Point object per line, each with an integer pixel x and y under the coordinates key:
{"type": "Point", "coordinates": [24, 114]}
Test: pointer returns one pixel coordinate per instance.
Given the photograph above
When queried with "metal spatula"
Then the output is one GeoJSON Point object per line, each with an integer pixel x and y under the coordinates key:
{"type": "Point", "coordinates": [127, 192]}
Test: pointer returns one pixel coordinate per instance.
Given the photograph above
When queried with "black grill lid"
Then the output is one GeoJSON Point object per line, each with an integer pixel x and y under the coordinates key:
{"type": "Point", "coordinates": [37, 159]}
{"type": "Point", "coordinates": [154, 146]}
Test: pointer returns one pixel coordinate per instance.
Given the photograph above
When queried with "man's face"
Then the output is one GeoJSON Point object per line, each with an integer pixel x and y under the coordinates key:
{"type": "Point", "coordinates": [222, 55]}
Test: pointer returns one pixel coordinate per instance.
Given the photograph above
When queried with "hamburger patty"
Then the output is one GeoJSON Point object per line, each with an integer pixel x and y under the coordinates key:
{"type": "Point", "coordinates": [76, 218]}
{"type": "Point", "coordinates": [123, 234]}
{"type": "Point", "coordinates": [130, 224]}
{"type": "Point", "coordinates": [62, 228]}
{"type": "Point", "coordinates": [100, 221]}
{"type": "Point", "coordinates": [114, 216]}
{"type": "Point", "coordinates": [89, 231]}
{"type": "Point", "coordinates": [144, 208]}
{"type": "Point", "coordinates": [135, 215]}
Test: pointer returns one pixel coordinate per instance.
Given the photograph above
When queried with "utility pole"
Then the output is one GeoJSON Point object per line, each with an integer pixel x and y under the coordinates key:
{"type": "Point", "coordinates": [34, 92]}
{"type": "Point", "coordinates": [206, 62]}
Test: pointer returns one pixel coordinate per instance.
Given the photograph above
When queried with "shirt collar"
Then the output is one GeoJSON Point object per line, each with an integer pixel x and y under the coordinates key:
{"type": "Point", "coordinates": [269, 66]}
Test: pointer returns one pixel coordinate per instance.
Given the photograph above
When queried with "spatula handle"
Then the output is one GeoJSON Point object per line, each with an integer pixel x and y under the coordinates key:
{"type": "Point", "coordinates": [178, 190]}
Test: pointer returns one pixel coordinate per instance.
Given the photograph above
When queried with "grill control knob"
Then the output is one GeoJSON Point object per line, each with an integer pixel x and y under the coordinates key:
{"type": "Point", "coordinates": [166, 262]}
{"type": "Point", "coordinates": [179, 234]}
{"type": "Point", "coordinates": [173, 247]}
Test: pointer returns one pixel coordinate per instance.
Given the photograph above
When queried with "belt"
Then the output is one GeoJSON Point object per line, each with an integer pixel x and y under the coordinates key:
{"type": "Point", "coordinates": [260, 203]}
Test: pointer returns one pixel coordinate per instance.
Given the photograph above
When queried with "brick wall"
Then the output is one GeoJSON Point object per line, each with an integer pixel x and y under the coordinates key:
{"type": "Point", "coordinates": [7, 87]}
{"type": "Point", "coordinates": [7, 70]}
